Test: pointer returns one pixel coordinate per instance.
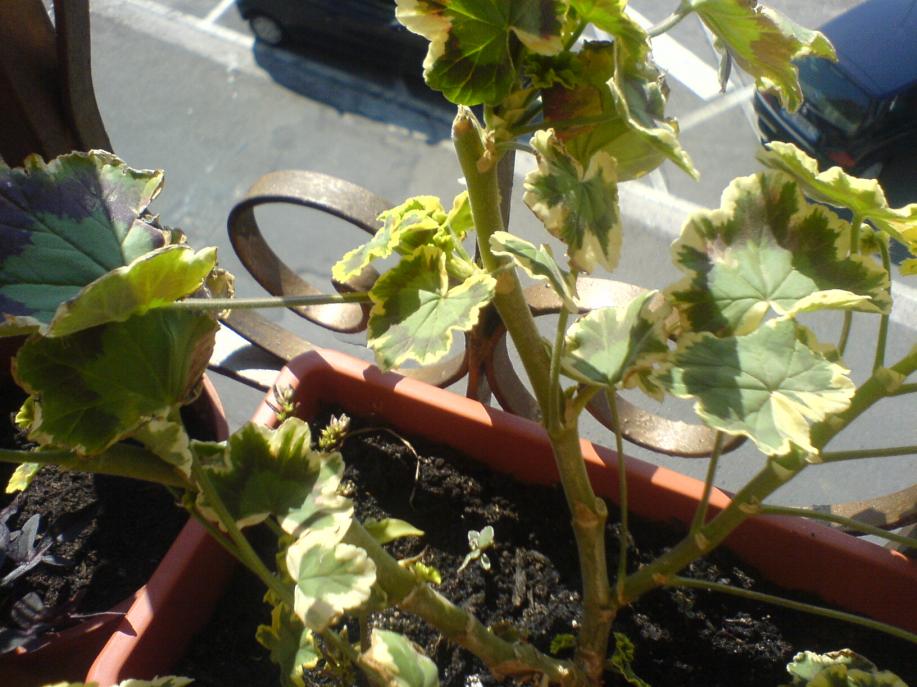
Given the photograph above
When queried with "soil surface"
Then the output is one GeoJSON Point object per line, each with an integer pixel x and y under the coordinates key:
{"type": "Point", "coordinates": [110, 534]}
{"type": "Point", "coordinates": [683, 637]}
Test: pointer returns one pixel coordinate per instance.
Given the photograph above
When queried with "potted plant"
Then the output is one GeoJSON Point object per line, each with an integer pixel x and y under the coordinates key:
{"type": "Point", "coordinates": [78, 222]}
{"type": "Point", "coordinates": [753, 269]}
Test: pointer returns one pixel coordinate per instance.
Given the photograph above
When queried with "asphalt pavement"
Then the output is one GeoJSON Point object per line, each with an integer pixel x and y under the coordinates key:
{"type": "Point", "coordinates": [183, 87]}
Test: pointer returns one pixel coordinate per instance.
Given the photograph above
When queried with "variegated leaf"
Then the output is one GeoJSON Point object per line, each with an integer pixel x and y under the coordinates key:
{"type": "Point", "coordinates": [63, 225]}
{"type": "Point", "coordinates": [95, 387]}
{"type": "Point", "coordinates": [767, 249]}
{"type": "Point", "coordinates": [389, 529]}
{"type": "Point", "coordinates": [538, 263]}
{"type": "Point", "coordinates": [292, 644]}
{"type": "Point", "coordinates": [273, 472]}
{"type": "Point", "coordinates": [474, 56]}
{"type": "Point", "coordinates": [416, 312]}
{"type": "Point", "coordinates": [330, 579]}
{"type": "Point", "coordinates": [767, 385]}
{"type": "Point", "coordinates": [763, 42]}
{"type": "Point", "coordinates": [610, 16]}
{"type": "Point", "coordinates": [580, 207]}
{"type": "Point", "coordinates": [394, 661]}
{"type": "Point", "coordinates": [863, 197]}
{"type": "Point", "coordinates": [618, 346]}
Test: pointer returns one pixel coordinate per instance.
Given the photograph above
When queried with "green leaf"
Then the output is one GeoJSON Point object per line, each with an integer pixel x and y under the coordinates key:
{"type": "Point", "coordinates": [167, 438]}
{"type": "Point", "coordinates": [580, 207]}
{"type": "Point", "coordinates": [395, 661]}
{"type": "Point", "coordinates": [538, 263]}
{"type": "Point", "coordinates": [626, 102]}
{"type": "Point", "coordinates": [416, 312]}
{"type": "Point", "coordinates": [767, 249]}
{"type": "Point", "coordinates": [610, 17]}
{"type": "Point", "coordinates": [767, 385]}
{"type": "Point", "coordinates": [622, 660]}
{"type": "Point", "coordinates": [268, 472]}
{"type": "Point", "coordinates": [419, 214]}
{"type": "Point", "coordinates": [612, 346]}
{"type": "Point", "coordinates": [152, 280]}
{"type": "Point", "coordinates": [763, 42]}
{"type": "Point", "coordinates": [330, 579]}
{"type": "Point", "coordinates": [473, 54]}
{"type": "Point", "coordinates": [291, 644]}
{"type": "Point", "coordinates": [95, 387]}
{"type": "Point", "coordinates": [863, 197]}
{"type": "Point", "coordinates": [389, 529]}
{"type": "Point", "coordinates": [65, 224]}
{"type": "Point", "coordinates": [844, 668]}
{"type": "Point", "coordinates": [22, 477]}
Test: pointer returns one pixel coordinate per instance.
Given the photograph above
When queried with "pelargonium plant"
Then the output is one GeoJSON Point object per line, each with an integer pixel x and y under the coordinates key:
{"type": "Point", "coordinates": [118, 313]}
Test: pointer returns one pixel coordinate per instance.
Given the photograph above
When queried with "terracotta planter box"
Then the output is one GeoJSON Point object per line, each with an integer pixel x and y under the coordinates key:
{"type": "Point", "coordinates": [70, 653]}
{"type": "Point", "coordinates": [843, 570]}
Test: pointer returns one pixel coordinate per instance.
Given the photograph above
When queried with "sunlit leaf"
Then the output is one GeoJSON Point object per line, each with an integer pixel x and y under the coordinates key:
{"type": "Point", "coordinates": [767, 249]}
{"type": "Point", "coordinates": [272, 472]}
{"type": "Point", "coordinates": [21, 478]}
{"type": "Point", "coordinates": [763, 43]}
{"type": "Point", "coordinates": [396, 662]}
{"type": "Point", "coordinates": [330, 579]}
{"type": "Point", "coordinates": [610, 17]}
{"type": "Point", "coordinates": [538, 263]}
{"type": "Point", "coordinates": [474, 55]}
{"type": "Point", "coordinates": [617, 346]}
{"type": "Point", "coordinates": [767, 385]}
{"type": "Point", "coordinates": [95, 387]}
{"type": "Point", "coordinates": [579, 206]}
{"type": "Point", "coordinates": [389, 529]}
{"type": "Point", "coordinates": [166, 437]}
{"type": "Point", "coordinates": [416, 312]}
{"type": "Point", "coordinates": [863, 197]}
{"type": "Point", "coordinates": [291, 644]}
{"type": "Point", "coordinates": [630, 122]}
{"type": "Point", "coordinates": [844, 668]}
{"type": "Point", "coordinates": [63, 225]}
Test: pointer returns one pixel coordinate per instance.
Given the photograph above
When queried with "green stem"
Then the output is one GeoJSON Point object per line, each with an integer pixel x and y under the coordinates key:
{"type": "Point", "coordinates": [795, 605]}
{"type": "Point", "coordinates": [904, 389]}
{"type": "Point", "coordinates": [267, 302]}
{"type": "Point", "coordinates": [837, 456]}
{"type": "Point", "coordinates": [120, 460]}
{"type": "Point", "coordinates": [244, 551]}
{"type": "Point", "coordinates": [847, 523]}
{"type": "Point", "coordinates": [882, 338]}
{"type": "Point", "coordinates": [668, 22]}
{"type": "Point", "coordinates": [855, 223]}
{"type": "Point", "coordinates": [845, 332]}
{"type": "Point", "coordinates": [624, 529]}
{"type": "Point", "coordinates": [700, 515]}
{"type": "Point", "coordinates": [456, 624]}
{"type": "Point", "coordinates": [588, 512]}
{"type": "Point", "coordinates": [573, 37]}
{"type": "Point", "coordinates": [555, 409]}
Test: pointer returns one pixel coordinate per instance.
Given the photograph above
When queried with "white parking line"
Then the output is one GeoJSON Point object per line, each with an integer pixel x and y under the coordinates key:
{"type": "Point", "coordinates": [218, 11]}
{"type": "Point", "coordinates": [716, 107]}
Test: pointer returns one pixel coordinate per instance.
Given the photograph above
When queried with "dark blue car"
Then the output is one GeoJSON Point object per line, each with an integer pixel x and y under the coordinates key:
{"type": "Point", "coordinates": [861, 111]}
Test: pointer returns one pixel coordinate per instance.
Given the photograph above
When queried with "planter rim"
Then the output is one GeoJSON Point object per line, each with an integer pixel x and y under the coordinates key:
{"type": "Point", "coordinates": [838, 567]}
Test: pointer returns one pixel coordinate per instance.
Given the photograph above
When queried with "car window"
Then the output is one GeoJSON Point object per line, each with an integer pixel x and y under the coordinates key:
{"type": "Point", "coordinates": [833, 95]}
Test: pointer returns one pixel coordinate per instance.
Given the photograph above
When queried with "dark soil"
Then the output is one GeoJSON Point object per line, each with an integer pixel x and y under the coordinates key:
{"type": "Point", "coordinates": [682, 637]}
{"type": "Point", "coordinates": [114, 533]}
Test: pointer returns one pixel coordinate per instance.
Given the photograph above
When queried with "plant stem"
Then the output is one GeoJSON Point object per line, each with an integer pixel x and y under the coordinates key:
{"type": "Point", "coordinates": [244, 551]}
{"type": "Point", "coordinates": [120, 460]}
{"type": "Point", "coordinates": [700, 515]}
{"type": "Point", "coordinates": [848, 523]}
{"type": "Point", "coordinates": [668, 22]}
{"type": "Point", "coordinates": [904, 389]}
{"type": "Point", "coordinates": [855, 223]}
{"type": "Point", "coordinates": [267, 302]}
{"type": "Point", "coordinates": [458, 625]}
{"type": "Point", "coordinates": [555, 409]}
{"type": "Point", "coordinates": [882, 338]}
{"type": "Point", "coordinates": [588, 512]}
{"type": "Point", "coordinates": [624, 530]}
{"type": "Point", "coordinates": [837, 456]}
{"type": "Point", "coordinates": [574, 36]}
{"type": "Point", "coordinates": [795, 605]}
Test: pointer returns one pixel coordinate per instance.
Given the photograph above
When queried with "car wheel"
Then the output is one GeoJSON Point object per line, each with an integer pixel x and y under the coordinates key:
{"type": "Point", "coordinates": [266, 29]}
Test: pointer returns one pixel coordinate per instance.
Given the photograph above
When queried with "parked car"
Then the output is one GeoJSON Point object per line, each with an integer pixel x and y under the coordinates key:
{"type": "Point", "coordinates": [366, 24]}
{"type": "Point", "coordinates": [861, 111]}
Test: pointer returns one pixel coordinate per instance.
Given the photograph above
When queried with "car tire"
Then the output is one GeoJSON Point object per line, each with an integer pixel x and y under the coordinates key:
{"type": "Point", "coordinates": [267, 29]}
